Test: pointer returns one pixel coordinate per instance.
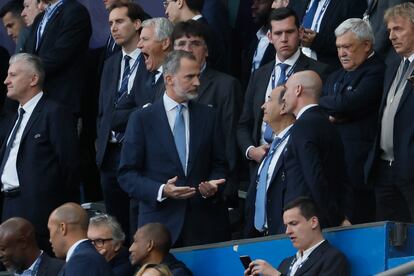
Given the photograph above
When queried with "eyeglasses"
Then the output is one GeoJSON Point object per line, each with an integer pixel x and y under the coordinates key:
{"type": "Point", "coordinates": [191, 43]}
{"type": "Point", "coordinates": [167, 2]}
{"type": "Point", "coordinates": [100, 242]}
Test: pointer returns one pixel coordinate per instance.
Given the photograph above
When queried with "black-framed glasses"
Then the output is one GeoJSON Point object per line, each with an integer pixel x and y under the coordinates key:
{"type": "Point", "coordinates": [100, 242]}
{"type": "Point", "coordinates": [167, 2]}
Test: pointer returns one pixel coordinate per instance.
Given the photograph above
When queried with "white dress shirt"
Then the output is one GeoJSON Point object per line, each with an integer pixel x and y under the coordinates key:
{"type": "Point", "coordinates": [10, 178]}
{"type": "Point", "coordinates": [261, 47]}
{"type": "Point", "coordinates": [134, 55]}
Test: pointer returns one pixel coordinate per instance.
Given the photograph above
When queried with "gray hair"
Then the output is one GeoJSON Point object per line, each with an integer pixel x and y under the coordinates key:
{"type": "Point", "coordinates": [109, 221]}
{"type": "Point", "coordinates": [173, 61]}
{"type": "Point", "coordinates": [403, 10]}
{"type": "Point", "coordinates": [163, 28]}
{"type": "Point", "coordinates": [33, 62]}
{"type": "Point", "coordinates": [359, 27]}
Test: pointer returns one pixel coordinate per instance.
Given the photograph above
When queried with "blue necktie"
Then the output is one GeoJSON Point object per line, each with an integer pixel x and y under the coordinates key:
{"type": "Point", "coordinates": [268, 134]}
{"type": "Point", "coordinates": [11, 140]}
{"type": "Point", "coordinates": [260, 205]}
{"type": "Point", "coordinates": [125, 76]}
{"type": "Point", "coordinates": [282, 78]}
{"type": "Point", "coordinates": [179, 135]}
{"type": "Point", "coordinates": [310, 14]}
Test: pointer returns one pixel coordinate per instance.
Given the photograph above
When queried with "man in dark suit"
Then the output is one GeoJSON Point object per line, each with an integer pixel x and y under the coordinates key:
{"type": "Point", "coordinates": [265, 197]}
{"type": "Point", "coordinates": [351, 97]}
{"type": "Point", "coordinates": [285, 35]}
{"type": "Point", "coordinates": [172, 160]}
{"type": "Point", "coordinates": [218, 90]}
{"type": "Point", "coordinates": [155, 44]}
{"type": "Point", "coordinates": [314, 158]}
{"type": "Point", "coordinates": [389, 166]}
{"type": "Point", "coordinates": [40, 157]}
{"type": "Point", "coordinates": [315, 256]}
{"type": "Point", "coordinates": [20, 253]}
{"type": "Point", "coordinates": [180, 11]}
{"type": "Point", "coordinates": [68, 225]}
{"type": "Point", "coordinates": [60, 37]}
{"type": "Point", "coordinates": [319, 19]}
{"type": "Point", "coordinates": [118, 83]}
{"type": "Point", "coordinates": [152, 244]}
{"type": "Point", "coordinates": [260, 51]}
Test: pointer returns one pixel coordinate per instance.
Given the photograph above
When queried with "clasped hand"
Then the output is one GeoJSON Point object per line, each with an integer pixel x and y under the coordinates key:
{"type": "Point", "coordinates": [206, 188]}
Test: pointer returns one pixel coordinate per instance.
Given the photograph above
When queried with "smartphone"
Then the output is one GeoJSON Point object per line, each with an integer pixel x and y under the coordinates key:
{"type": "Point", "coordinates": [245, 261]}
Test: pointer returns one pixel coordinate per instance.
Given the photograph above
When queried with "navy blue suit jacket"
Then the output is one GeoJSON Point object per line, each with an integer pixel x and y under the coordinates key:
{"type": "Point", "coordinates": [149, 158]}
{"type": "Point", "coordinates": [47, 165]}
{"type": "Point", "coordinates": [113, 114]}
{"type": "Point", "coordinates": [354, 101]}
{"type": "Point", "coordinates": [85, 260]}
{"type": "Point", "coordinates": [49, 266]}
{"type": "Point", "coordinates": [315, 165]}
{"type": "Point", "coordinates": [403, 129]}
{"type": "Point", "coordinates": [325, 260]}
{"type": "Point", "coordinates": [62, 49]}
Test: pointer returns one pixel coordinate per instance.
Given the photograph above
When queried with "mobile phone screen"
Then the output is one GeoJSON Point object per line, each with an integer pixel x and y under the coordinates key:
{"type": "Point", "coordinates": [245, 261]}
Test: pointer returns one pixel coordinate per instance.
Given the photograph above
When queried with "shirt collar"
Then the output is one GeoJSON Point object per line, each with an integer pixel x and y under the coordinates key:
{"type": "Point", "coordinates": [133, 55]}
{"type": "Point", "coordinates": [170, 104]}
{"type": "Point", "coordinates": [30, 269]}
{"type": "Point", "coordinates": [197, 17]}
{"type": "Point", "coordinates": [307, 252]}
{"type": "Point", "coordinates": [291, 60]}
{"type": "Point", "coordinates": [261, 32]}
{"type": "Point", "coordinates": [303, 109]}
{"type": "Point", "coordinates": [72, 249]}
{"type": "Point", "coordinates": [53, 5]}
{"type": "Point", "coordinates": [283, 132]}
{"type": "Point", "coordinates": [31, 104]}
{"type": "Point", "coordinates": [410, 58]}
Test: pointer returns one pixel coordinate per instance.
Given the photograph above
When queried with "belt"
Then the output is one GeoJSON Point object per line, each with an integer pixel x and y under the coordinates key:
{"type": "Point", "coordinates": [12, 192]}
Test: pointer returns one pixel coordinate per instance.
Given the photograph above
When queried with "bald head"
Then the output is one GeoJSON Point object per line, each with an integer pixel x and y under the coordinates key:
{"type": "Point", "coordinates": [18, 244]}
{"type": "Point", "coordinates": [302, 89]}
{"type": "Point", "coordinates": [158, 233]}
{"type": "Point", "coordinates": [72, 213]}
{"type": "Point", "coordinates": [67, 224]}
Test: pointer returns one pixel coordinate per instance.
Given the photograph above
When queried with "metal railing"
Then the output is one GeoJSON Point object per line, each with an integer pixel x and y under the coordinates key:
{"type": "Point", "coordinates": [403, 269]}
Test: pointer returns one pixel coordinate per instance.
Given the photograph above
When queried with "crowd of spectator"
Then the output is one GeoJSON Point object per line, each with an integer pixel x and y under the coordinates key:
{"type": "Point", "coordinates": [307, 110]}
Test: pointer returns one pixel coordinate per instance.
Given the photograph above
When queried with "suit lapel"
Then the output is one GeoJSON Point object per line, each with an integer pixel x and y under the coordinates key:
{"type": "Point", "coordinates": [49, 24]}
{"type": "Point", "coordinates": [195, 135]}
{"type": "Point", "coordinates": [408, 89]}
{"type": "Point", "coordinates": [315, 256]}
{"type": "Point", "coordinates": [113, 86]}
{"type": "Point", "coordinates": [33, 118]}
{"type": "Point", "coordinates": [162, 129]}
{"type": "Point", "coordinates": [389, 78]}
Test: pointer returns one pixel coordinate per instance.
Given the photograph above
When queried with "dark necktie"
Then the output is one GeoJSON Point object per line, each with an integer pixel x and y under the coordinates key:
{"type": "Point", "coordinates": [260, 205]}
{"type": "Point", "coordinates": [310, 14]}
{"type": "Point", "coordinates": [179, 135]}
{"type": "Point", "coordinates": [125, 76]}
{"type": "Point", "coordinates": [11, 140]}
{"type": "Point", "coordinates": [405, 68]}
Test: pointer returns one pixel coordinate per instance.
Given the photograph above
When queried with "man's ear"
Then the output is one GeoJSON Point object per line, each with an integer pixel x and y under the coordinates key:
{"type": "Point", "coordinates": [63, 228]}
{"type": "Point", "coordinates": [314, 222]}
{"type": "Point", "coordinates": [166, 44]}
{"type": "Point", "coordinates": [34, 81]}
{"type": "Point", "coordinates": [150, 245]}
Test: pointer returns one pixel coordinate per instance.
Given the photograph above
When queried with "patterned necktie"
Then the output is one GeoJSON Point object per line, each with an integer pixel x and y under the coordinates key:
{"type": "Point", "coordinates": [260, 205]}
{"type": "Point", "coordinates": [125, 76]}
{"type": "Point", "coordinates": [11, 140]}
{"type": "Point", "coordinates": [310, 14]}
{"type": "Point", "coordinates": [179, 135]}
{"type": "Point", "coordinates": [282, 78]}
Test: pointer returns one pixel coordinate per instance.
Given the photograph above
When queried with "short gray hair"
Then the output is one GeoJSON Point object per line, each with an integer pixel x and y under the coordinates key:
{"type": "Point", "coordinates": [403, 10]}
{"type": "Point", "coordinates": [163, 28]}
{"type": "Point", "coordinates": [33, 62]}
{"type": "Point", "coordinates": [173, 61]}
{"type": "Point", "coordinates": [359, 27]}
{"type": "Point", "coordinates": [109, 221]}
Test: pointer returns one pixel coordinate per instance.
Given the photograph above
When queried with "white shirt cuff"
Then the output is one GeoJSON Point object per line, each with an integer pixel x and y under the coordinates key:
{"type": "Point", "coordinates": [159, 197]}
{"type": "Point", "coordinates": [247, 153]}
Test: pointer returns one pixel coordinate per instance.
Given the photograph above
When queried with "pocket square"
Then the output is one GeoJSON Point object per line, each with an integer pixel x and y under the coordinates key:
{"type": "Point", "coordinates": [37, 136]}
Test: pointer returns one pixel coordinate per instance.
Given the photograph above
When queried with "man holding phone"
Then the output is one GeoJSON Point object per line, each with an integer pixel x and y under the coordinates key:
{"type": "Point", "coordinates": [315, 256]}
